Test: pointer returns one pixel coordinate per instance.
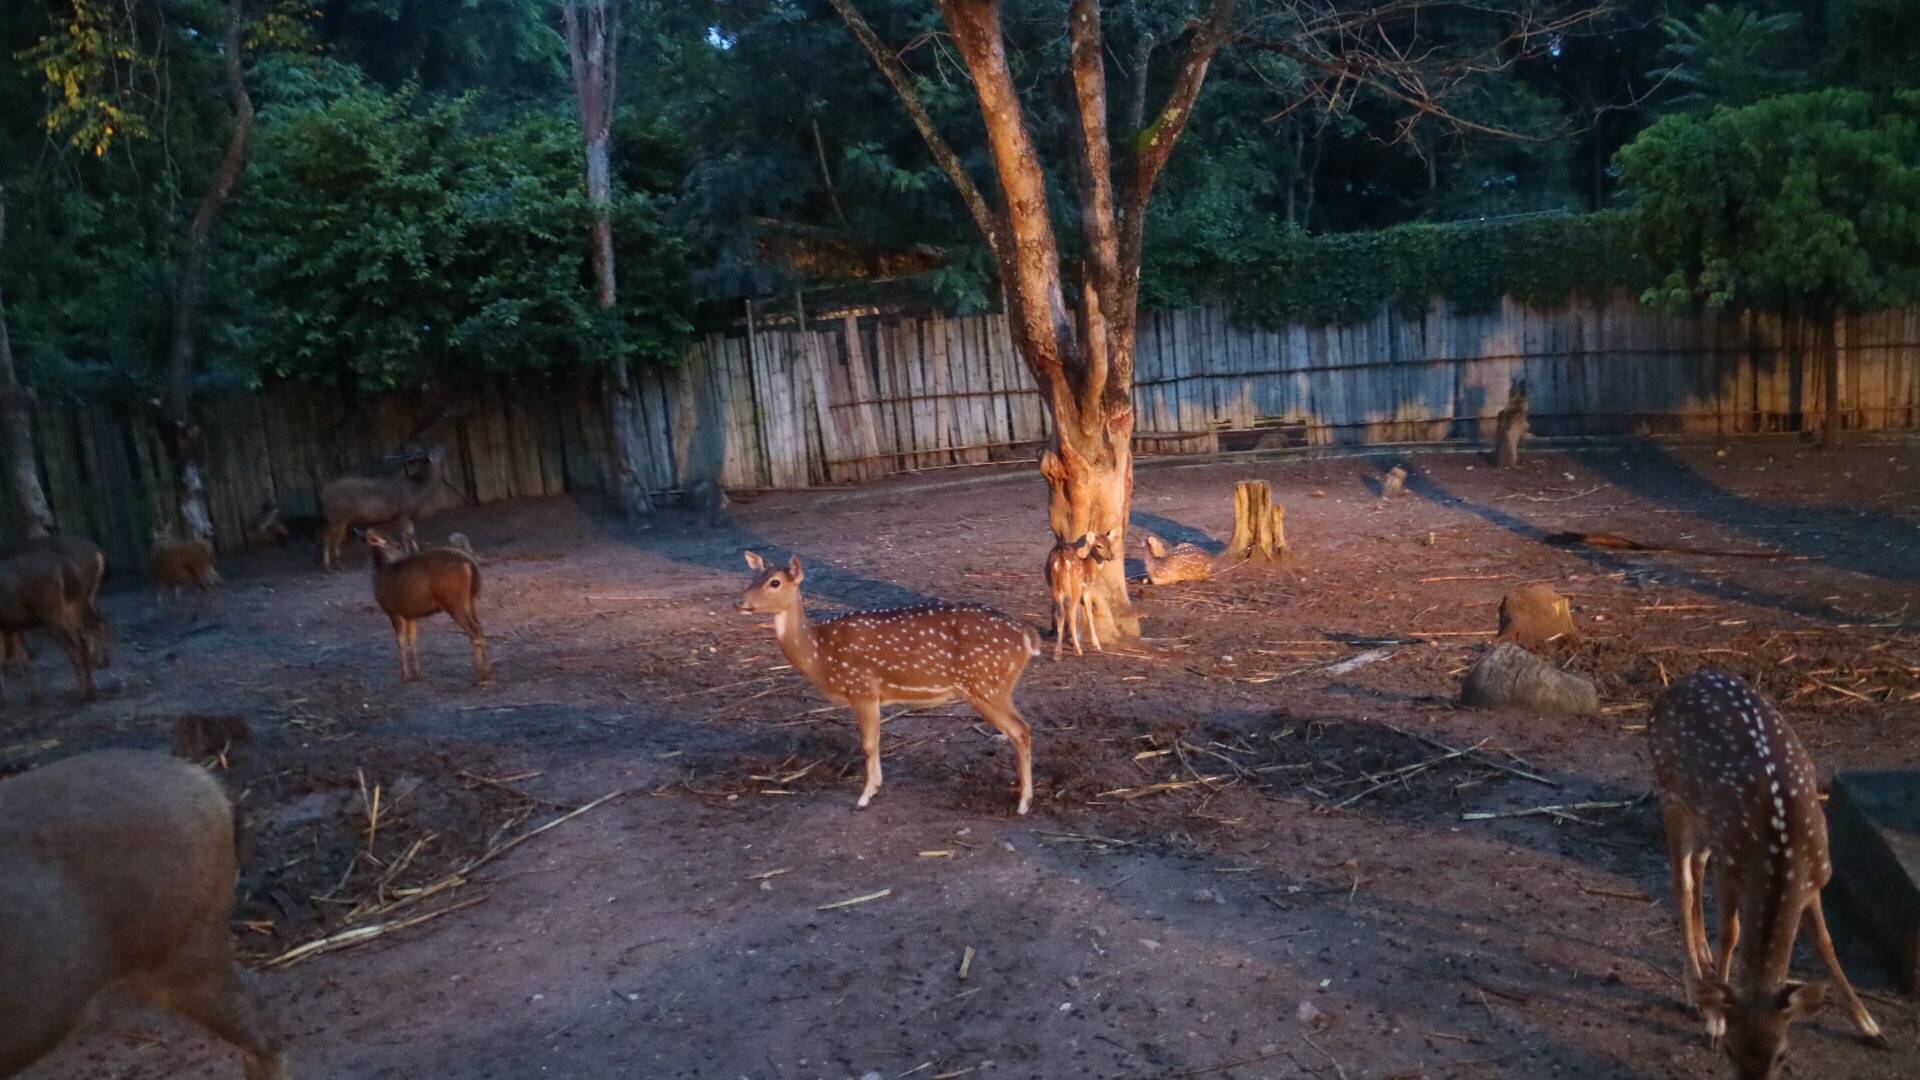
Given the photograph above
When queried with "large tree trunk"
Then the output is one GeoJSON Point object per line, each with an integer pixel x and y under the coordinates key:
{"type": "Point", "coordinates": [185, 439]}
{"type": "Point", "coordinates": [16, 426]}
{"type": "Point", "coordinates": [593, 48]}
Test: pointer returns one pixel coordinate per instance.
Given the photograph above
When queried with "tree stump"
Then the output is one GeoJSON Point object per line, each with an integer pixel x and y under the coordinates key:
{"type": "Point", "coordinates": [1259, 527]}
{"type": "Point", "coordinates": [1511, 427]}
{"type": "Point", "coordinates": [1510, 677]}
{"type": "Point", "coordinates": [1535, 615]}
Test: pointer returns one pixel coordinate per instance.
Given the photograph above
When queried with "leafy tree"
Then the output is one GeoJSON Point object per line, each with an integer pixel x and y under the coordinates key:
{"type": "Point", "coordinates": [1807, 205]}
{"type": "Point", "coordinates": [1727, 57]}
{"type": "Point", "coordinates": [395, 239]}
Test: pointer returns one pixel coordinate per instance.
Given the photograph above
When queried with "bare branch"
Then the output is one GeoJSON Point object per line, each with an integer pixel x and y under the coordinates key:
{"type": "Point", "coordinates": [989, 224]}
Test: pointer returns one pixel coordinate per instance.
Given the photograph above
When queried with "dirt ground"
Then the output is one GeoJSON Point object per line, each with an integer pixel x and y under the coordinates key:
{"type": "Point", "coordinates": [1246, 858]}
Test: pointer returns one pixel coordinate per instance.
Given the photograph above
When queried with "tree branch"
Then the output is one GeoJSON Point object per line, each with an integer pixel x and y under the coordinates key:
{"type": "Point", "coordinates": [989, 224]}
{"type": "Point", "coordinates": [1100, 272]}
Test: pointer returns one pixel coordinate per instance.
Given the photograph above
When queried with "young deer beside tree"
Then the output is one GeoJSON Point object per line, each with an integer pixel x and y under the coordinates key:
{"type": "Point", "coordinates": [1071, 571]}
{"type": "Point", "coordinates": [927, 655]}
{"type": "Point", "coordinates": [412, 587]}
{"type": "Point", "coordinates": [1735, 785]}
{"type": "Point", "coordinates": [118, 866]}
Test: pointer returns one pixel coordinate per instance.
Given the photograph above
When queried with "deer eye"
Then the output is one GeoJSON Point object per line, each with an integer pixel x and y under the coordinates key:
{"type": "Point", "coordinates": [774, 584]}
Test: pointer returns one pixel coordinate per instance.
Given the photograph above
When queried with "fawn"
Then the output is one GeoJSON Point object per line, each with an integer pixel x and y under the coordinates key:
{"type": "Point", "coordinates": [119, 866]}
{"type": "Point", "coordinates": [1171, 566]}
{"type": "Point", "coordinates": [1734, 782]}
{"type": "Point", "coordinates": [412, 587]}
{"type": "Point", "coordinates": [925, 656]}
{"type": "Point", "coordinates": [1070, 573]}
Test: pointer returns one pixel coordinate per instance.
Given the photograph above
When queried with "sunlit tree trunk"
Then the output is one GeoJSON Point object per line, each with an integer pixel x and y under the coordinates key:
{"type": "Point", "coordinates": [593, 47]}
{"type": "Point", "coordinates": [16, 426]}
{"type": "Point", "coordinates": [186, 441]}
{"type": "Point", "coordinates": [1077, 342]}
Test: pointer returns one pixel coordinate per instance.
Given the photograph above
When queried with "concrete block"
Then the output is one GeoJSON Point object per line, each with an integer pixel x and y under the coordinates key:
{"type": "Point", "coordinates": [1873, 826]}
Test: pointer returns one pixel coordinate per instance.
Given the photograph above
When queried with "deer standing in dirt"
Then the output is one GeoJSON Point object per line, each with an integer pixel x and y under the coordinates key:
{"type": "Point", "coordinates": [119, 866]}
{"type": "Point", "coordinates": [1736, 787]}
{"type": "Point", "coordinates": [88, 565]}
{"type": "Point", "coordinates": [925, 656]}
{"type": "Point", "coordinates": [40, 590]}
{"type": "Point", "coordinates": [355, 501]}
{"type": "Point", "coordinates": [1173, 565]}
{"type": "Point", "coordinates": [412, 587]}
{"type": "Point", "coordinates": [1071, 569]}
{"type": "Point", "coordinates": [173, 565]}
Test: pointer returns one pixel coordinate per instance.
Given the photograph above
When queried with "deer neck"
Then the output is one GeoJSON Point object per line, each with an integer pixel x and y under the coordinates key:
{"type": "Point", "coordinates": [795, 633]}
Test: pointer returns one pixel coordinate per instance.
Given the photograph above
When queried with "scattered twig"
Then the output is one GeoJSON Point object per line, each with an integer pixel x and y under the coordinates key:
{"type": "Point", "coordinates": [1561, 810]}
{"type": "Point", "coordinates": [855, 900]}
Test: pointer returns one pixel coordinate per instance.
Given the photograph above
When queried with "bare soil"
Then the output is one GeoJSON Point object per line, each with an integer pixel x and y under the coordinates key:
{"type": "Point", "coordinates": [1249, 854]}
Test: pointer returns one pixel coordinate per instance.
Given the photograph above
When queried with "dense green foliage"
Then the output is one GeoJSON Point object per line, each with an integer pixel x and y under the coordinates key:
{"type": "Point", "coordinates": [413, 209]}
{"type": "Point", "coordinates": [1803, 202]}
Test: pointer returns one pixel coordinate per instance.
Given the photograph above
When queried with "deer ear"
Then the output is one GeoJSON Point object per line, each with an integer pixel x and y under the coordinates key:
{"type": "Point", "coordinates": [1801, 1000]}
{"type": "Point", "coordinates": [795, 571]}
{"type": "Point", "coordinates": [755, 561]}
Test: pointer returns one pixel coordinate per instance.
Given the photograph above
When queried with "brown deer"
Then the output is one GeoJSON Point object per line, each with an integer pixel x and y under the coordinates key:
{"type": "Point", "coordinates": [354, 501]}
{"type": "Point", "coordinates": [173, 565]}
{"type": "Point", "coordinates": [1736, 786]}
{"type": "Point", "coordinates": [1070, 572]}
{"type": "Point", "coordinates": [88, 564]}
{"type": "Point", "coordinates": [118, 866]}
{"type": "Point", "coordinates": [40, 590]}
{"type": "Point", "coordinates": [1173, 565]}
{"type": "Point", "coordinates": [412, 587]}
{"type": "Point", "coordinates": [925, 656]}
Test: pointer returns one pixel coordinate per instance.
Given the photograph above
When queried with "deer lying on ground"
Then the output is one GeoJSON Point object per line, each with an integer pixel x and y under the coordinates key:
{"type": "Point", "coordinates": [1171, 566]}
{"type": "Point", "coordinates": [273, 527]}
{"type": "Point", "coordinates": [925, 656]}
{"type": "Point", "coordinates": [1071, 569]}
{"type": "Point", "coordinates": [89, 568]}
{"type": "Point", "coordinates": [119, 866]}
{"type": "Point", "coordinates": [173, 565]}
{"type": "Point", "coordinates": [357, 501]}
{"type": "Point", "coordinates": [40, 590]}
{"type": "Point", "coordinates": [412, 587]}
{"type": "Point", "coordinates": [1736, 786]}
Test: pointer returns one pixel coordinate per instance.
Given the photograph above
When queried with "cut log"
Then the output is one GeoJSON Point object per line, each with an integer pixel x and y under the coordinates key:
{"type": "Point", "coordinates": [1259, 527]}
{"type": "Point", "coordinates": [1510, 677]}
{"type": "Point", "coordinates": [1511, 427]}
{"type": "Point", "coordinates": [1534, 615]}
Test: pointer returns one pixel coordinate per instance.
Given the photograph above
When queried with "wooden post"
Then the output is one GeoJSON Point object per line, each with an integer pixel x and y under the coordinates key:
{"type": "Point", "coordinates": [1259, 527]}
{"type": "Point", "coordinates": [1510, 427]}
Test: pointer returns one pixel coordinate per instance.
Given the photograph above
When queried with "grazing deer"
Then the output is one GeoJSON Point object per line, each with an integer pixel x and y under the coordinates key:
{"type": "Point", "coordinates": [352, 501]}
{"type": "Point", "coordinates": [412, 587]}
{"type": "Point", "coordinates": [41, 590]}
{"type": "Point", "coordinates": [89, 565]}
{"type": "Point", "coordinates": [1171, 566]}
{"type": "Point", "coordinates": [926, 655]}
{"type": "Point", "coordinates": [118, 866]}
{"type": "Point", "coordinates": [1735, 785]}
{"type": "Point", "coordinates": [175, 564]}
{"type": "Point", "coordinates": [1071, 569]}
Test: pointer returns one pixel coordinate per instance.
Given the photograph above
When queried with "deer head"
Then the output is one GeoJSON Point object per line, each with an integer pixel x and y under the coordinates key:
{"type": "Point", "coordinates": [774, 588]}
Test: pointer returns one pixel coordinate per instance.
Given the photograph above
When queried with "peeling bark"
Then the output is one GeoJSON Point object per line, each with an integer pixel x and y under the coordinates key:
{"type": "Point", "coordinates": [593, 50]}
{"type": "Point", "coordinates": [187, 443]}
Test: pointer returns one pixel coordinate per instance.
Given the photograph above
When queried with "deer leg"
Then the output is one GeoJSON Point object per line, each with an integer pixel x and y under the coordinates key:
{"type": "Point", "coordinates": [203, 985]}
{"type": "Point", "coordinates": [1059, 624]}
{"type": "Point", "coordinates": [336, 535]}
{"type": "Point", "coordinates": [1000, 712]}
{"type": "Point", "coordinates": [413, 646]}
{"type": "Point", "coordinates": [1073, 619]}
{"type": "Point", "coordinates": [407, 536]}
{"type": "Point", "coordinates": [868, 714]}
{"type": "Point", "coordinates": [1728, 885]}
{"type": "Point", "coordinates": [75, 646]}
{"type": "Point", "coordinates": [1816, 921]}
{"type": "Point", "coordinates": [1093, 620]}
{"type": "Point", "coordinates": [1681, 843]}
{"type": "Point", "coordinates": [482, 666]}
{"type": "Point", "coordinates": [400, 642]}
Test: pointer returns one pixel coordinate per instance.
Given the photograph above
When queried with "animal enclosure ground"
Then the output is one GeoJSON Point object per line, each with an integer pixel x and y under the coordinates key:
{"type": "Point", "coordinates": [1265, 843]}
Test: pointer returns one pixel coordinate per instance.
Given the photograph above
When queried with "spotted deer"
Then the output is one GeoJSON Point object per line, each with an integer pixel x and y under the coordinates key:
{"type": "Point", "coordinates": [118, 866]}
{"type": "Point", "coordinates": [1071, 569]}
{"type": "Point", "coordinates": [926, 655]}
{"type": "Point", "coordinates": [1173, 565]}
{"type": "Point", "coordinates": [1736, 786]}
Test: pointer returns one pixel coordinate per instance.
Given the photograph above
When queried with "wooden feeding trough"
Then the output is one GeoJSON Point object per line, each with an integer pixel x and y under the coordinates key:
{"type": "Point", "coordinates": [1873, 818]}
